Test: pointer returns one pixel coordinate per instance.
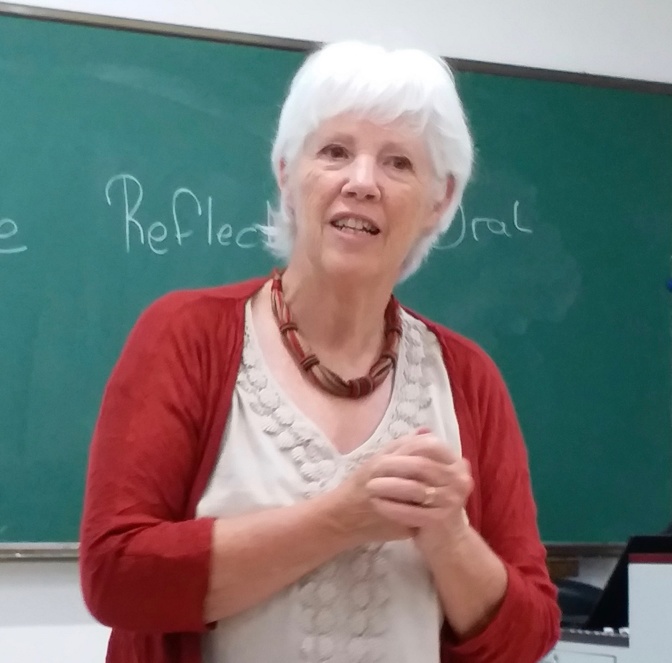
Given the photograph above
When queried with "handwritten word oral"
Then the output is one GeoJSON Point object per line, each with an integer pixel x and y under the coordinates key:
{"type": "Point", "coordinates": [479, 226]}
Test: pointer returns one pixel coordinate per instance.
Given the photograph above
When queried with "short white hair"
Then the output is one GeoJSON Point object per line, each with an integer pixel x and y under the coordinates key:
{"type": "Point", "coordinates": [384, 85]}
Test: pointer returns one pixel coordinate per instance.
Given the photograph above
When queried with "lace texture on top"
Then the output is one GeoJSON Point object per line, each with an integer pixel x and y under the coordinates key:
{"type": "Point", "coordinates": [342, 604]}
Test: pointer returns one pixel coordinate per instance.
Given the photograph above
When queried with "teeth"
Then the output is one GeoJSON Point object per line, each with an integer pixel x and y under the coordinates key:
{"type": "Point", "coordinates": [356, 224]}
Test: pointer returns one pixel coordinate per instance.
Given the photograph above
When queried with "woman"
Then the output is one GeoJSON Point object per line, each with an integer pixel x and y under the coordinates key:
{"type": "Point", "coordinates": [298, 469]}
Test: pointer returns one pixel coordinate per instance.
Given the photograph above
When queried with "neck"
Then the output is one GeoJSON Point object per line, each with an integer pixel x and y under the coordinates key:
{"type": "Point", "coordinates": [343, 320]}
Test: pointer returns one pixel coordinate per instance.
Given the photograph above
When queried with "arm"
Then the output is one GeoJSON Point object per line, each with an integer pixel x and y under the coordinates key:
{"type": "Point", "coordinates": [144, 566]}
{"type": "Point", "coordinates": [526, 623]}
{"type": "Point", "coordinates": [258, 554]}
{"type": "Point", "coordinates": [470, 579]}
{"type": "Point", "coordinates": [499, 603]}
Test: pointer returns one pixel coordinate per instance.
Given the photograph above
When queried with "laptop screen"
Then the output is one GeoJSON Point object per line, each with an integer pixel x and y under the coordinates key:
{"type": "Point", "coordinates": [611, 609]}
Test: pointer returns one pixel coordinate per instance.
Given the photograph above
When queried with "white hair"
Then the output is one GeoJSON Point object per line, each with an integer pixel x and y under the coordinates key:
{"type": "Point", "coordinates": [379, 84]}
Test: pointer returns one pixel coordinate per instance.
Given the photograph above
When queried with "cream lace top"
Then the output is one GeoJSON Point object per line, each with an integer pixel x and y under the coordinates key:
{"type": "Point", "coordinates": [372, 604]}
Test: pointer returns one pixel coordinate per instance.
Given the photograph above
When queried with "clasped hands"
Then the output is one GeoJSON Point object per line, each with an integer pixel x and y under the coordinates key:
{"type": "Point", "coordinates": [415, 487]}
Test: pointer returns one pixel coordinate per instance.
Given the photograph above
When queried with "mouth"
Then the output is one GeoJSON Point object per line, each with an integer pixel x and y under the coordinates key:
{"type": "Point", "coordinates": [355, 224]}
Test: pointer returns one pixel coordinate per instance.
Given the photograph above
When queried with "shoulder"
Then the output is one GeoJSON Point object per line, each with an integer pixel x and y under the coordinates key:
{"type": "Point", "coordinates": [463, 357]}
{"type": "Point", "coordinates": [184, 314]}
{"type": "Point", "coordinates": [480, 394]}
{"type": "Point", "coordinates": [213, 301]}
{"type": "Point", "coordinates": [176, 301]}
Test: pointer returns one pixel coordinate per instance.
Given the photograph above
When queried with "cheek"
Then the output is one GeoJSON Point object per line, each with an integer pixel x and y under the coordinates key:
{"type": "Point", "coordinates": [317, 193]}
{"type": "Point", "coordinates": [412, 215]}
{"type": "Point", "coordinates": [409, 205]}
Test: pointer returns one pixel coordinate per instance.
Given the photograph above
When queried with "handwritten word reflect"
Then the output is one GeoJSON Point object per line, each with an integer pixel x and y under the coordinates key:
{"type": "Point", "coordinates": [481, 223]}
{"type": "Point", "coordinates": [157, 236]}
{"type": "Point", "coordinates": [9, 243]}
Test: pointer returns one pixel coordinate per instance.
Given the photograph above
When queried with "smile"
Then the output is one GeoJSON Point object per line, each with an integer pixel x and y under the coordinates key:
{"type": "Point", "coordinates": [354, 224]}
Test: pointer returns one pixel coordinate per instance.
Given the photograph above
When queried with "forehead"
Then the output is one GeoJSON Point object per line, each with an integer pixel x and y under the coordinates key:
{"type": "Point", "coordinates": [359, 129]}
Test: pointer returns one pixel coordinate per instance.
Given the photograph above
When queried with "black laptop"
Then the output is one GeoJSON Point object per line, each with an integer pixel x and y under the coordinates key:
{"type": "Point", "coordinates": [611, 609]}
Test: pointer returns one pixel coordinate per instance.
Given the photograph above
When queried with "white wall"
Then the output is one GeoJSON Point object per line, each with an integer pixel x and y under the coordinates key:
{"type": "Point", "coordinates": [42, 618]}
{"type": "Point", "coordinates": [625, 38]}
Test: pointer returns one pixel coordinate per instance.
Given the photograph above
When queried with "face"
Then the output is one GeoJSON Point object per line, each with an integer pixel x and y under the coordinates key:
{"type": "Point", "coordinates": [362, 194]}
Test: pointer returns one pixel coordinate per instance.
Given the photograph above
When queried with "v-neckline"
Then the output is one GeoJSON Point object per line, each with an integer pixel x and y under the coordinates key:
{"type": "Point", "coordinates": [371, 442]}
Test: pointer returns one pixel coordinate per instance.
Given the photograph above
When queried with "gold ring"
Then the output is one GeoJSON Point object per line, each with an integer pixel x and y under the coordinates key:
{"type": "Point", "coordinates": [430, 496]}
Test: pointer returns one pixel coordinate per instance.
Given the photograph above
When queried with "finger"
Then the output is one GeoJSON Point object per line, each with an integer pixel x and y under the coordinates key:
{"type": "Point", "coordinates": [427, 445]}
{"type": "Point", "coordinates": [460, 484]}
{"type": "Point", "coordinates": [397, 490]}
{"type": "Point", "coordinates": [417, 468]}
{"type": "Point", "coordinates": [395, 444]}
{"type": "Point", "coordinates": [454, 493]}
{"type": "Point", "coordinates": [399, 442]}
{"type": "Point", "coordinates": [408, 515]}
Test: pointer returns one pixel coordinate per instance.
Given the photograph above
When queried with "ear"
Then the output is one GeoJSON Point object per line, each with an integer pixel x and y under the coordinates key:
{"type": "Point", "coordinates": [446, 192]}
{"type": "Point", "coordinates": [446, 197]}
{"type": "Point", "coordinates": [282, 180]}
{"type": "Point", "coordinates": [282, 175]}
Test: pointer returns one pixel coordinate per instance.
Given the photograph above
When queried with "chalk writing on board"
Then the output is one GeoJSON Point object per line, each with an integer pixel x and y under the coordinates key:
{"type": "Point", "coordinates": [479, 225]}
{"type": "Point", "coordinates": [191, 220]}
{"type": "Point", "coordinates": [9, 240]}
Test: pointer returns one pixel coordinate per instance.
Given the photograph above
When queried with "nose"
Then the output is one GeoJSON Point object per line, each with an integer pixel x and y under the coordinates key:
{"type": "Point", "coordinates": [362, 179]}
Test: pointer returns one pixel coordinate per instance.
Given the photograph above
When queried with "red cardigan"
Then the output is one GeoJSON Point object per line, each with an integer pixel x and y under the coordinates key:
{"type": "Point", "coordinates": [145, 558]}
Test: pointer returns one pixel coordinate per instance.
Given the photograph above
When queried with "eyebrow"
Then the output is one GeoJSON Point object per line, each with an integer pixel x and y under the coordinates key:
{"type": "Point", "coordinates": [338, 138]}
{"type": "Point", "coordinates": [392, 146]}
{"type": "Point", "coordinates": [349, 139]}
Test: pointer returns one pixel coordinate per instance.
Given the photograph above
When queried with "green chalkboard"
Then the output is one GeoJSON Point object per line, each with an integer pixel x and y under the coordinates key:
{"type": "Point", "coordinates": [135, 163]}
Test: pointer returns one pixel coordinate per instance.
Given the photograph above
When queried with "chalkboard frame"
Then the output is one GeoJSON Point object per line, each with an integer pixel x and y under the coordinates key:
{"type": "Point", "coordinates": [63, 551]}
{"type": "Point", "coordinates": [284, 43]}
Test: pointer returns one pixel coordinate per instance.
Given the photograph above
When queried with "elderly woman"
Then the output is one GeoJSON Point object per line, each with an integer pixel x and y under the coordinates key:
{"type": "Point", "coordinates": [297, 468]}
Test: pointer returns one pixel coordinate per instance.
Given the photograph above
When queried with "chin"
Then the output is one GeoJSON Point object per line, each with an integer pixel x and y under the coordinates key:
{"type": "Point", "coordinates": [351, 265]}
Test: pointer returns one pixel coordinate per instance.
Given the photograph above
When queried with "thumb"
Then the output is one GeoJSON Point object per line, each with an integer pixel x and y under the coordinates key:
{"type": "Point", "coordinates": [402, 441]}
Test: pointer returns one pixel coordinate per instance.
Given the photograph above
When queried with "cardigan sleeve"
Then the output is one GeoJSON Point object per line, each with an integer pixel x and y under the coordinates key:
{"type": "Point", "coordinates": [526, 625]}
{"type": "Point", "coordinates": [143, 567]}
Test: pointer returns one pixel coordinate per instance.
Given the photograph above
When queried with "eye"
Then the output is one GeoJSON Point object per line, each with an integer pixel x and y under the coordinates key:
{"type": "Point", "coordinates": [335, 152]}
{"type": "Point", "coordinates": [401, 163]}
